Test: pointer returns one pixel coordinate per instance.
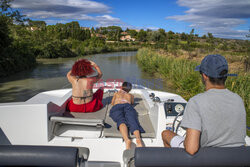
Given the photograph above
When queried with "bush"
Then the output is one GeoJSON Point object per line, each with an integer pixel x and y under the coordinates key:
{"type": "Point", "coordinates": [17, 57]}
{"type": "Point", "coordinates": [55, 49]}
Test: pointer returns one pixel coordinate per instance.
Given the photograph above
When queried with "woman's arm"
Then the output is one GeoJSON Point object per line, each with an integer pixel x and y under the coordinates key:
{"type": "Point", "coordinates": [70, 77]}
{"type": "Point", "coordinates": [99, 75]}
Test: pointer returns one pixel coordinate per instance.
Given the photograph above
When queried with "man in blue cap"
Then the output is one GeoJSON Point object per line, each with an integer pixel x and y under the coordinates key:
{"type": "Point", "coordinates": [215, 118]}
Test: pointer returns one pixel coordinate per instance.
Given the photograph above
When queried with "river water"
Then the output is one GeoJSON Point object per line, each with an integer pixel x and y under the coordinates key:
{"type": "Point", "coordinates": [50, 74]}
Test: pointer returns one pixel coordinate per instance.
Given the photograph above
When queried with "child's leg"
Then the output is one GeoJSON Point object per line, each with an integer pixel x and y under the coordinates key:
{"type": "Point", "coordinates": [124, 131]}
{"type": "Point", "coordinates": [138, 138]}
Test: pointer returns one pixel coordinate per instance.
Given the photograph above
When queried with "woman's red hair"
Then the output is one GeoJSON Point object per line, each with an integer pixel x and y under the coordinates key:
{"type": "Point", "coordinates": [82, 68]}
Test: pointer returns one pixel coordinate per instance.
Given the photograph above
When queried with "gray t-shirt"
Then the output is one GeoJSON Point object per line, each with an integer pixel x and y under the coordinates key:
{"type": "Point", "coordinates": [219, 115]}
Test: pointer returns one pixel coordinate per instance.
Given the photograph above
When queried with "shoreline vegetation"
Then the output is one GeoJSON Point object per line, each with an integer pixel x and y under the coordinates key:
{"type": "Point", "coordinates": [180, 74]}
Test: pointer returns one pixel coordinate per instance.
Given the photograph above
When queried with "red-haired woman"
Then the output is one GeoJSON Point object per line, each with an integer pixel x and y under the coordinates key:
{"type": "Point", "coordinates": [83, 98]}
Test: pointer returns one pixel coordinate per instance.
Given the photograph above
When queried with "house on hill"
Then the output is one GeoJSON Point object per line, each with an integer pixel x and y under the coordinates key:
{"type": "Point", "coordinates": [124, 33]}
{"type": "Point", "coordinates": [126, 38]}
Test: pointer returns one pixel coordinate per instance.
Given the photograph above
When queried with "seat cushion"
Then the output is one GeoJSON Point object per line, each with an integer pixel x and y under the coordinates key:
{"type": "Point", "coordinates": [208, 156]}
{"type": "Point", "coordinates": [89, 119]}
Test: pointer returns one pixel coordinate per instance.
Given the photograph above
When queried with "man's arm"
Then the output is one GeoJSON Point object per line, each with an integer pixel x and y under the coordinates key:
{"type": "Point", "coordinates": [192, 141]}
{"type": "Point", "coordinates": [192, 123]}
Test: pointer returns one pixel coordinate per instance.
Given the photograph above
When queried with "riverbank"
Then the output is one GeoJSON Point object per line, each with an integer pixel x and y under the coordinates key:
{"type": "Point", "coordinates": [84, 50]}
{"type": "Point", "coordinates": [180, 74]}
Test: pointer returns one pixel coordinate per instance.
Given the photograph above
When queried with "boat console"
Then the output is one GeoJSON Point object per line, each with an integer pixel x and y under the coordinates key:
{"type": "Point", "coordinates": [174, 108]}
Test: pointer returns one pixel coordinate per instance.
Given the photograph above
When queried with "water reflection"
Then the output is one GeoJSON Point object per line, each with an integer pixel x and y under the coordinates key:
{"type": "Point", "coordinates": [50, 74]}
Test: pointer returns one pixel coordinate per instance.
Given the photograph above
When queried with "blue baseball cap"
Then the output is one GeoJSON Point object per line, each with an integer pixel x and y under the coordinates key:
{"type": "Point", "coordinates": [213, 65]}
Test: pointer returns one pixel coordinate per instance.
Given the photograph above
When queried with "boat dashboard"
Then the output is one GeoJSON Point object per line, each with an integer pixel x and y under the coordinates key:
{"type": "Point", "coordinates": [174, 108]}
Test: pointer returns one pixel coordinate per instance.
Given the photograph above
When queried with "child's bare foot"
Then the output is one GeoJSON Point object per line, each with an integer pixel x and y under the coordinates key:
{"type": "Point", "coordinates": [128, 144]}
{"type": "Point", "coordinates": [139, 143]}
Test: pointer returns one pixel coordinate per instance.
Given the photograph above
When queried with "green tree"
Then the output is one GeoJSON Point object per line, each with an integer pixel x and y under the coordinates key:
{"type": "Point", "coordinates": [192, 32]}
{"type": "Point", "coordinates": [39, 24]}
{"type": "Point", "coordinates": [15, 53]}
{"type": "Point", "coordinates": [5, 39]}
{"type": "Point", "coordinates": [112, 32]}
{"type": "Point", "coordinates": [170, 35]}
{"type": "Point", "coordinates": [184, 36]}
{"type": "Point", "coordinates": [204, 36]}
{"type": "Point", "coordinates": [142, 36]}
{"type": "Point", "coordinates": [210, 35]}
{"type": "Point", "coordinates": [133, 33]}
{"type": "Point", "coordinates": [210, 38]}
{"type": "Point", "coordinates": [55, 49]}
{"type": "Point", "coordinates": [162, 35]}
{"type": "Point", "coordinates": [13, 15]}
{"type": "Point", "coordinates": [248, 35]}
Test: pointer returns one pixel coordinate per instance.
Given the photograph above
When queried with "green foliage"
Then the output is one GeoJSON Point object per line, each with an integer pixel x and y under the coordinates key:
{"type": "Point", "coordinates": [13, 15]}
{"type": "Point", "coordinates": [112, 32]}
{"type": "Point", "coordinates": [157, 36]}
{"type": "Point", "coordinates": [142, 36]}
{"type": "Point", "coordinates": [17, 57]}
{"type": "Point", "coordinates": [39, 24]}
{"type": "Point", "coordinates": [70, 30]}
{"type": "Point", "coordinates": [171, 35]}
{"type": "Point", "coordinates": [184, 36]}
{"type": "Point", "coordinates": [98, 45]}
{"type": "Point", "coordinates": [5, 39]}
{"type": "Point", "coordinates": [133, 33]}
{"type": "Point", "coordinates": [177, 71]}
{"type": "Point", "coordinates": [15, 54]}
{"type": "Point", "coordinates": [54, 49]}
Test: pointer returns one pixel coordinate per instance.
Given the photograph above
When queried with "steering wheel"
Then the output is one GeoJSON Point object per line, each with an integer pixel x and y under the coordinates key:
{"type": "Point", "coordinates": [175, 130]}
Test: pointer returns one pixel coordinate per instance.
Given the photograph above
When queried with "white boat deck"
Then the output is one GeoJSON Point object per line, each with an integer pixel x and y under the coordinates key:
{"type": "Point", "coordinates": [110, 128]}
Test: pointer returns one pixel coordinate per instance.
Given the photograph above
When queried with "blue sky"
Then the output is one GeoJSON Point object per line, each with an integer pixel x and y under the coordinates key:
{"type": "Point", "coordinates": [223, 18]}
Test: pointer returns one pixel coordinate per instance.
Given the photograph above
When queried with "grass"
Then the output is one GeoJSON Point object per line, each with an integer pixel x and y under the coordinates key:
{"type": "Point", "coordinates": [187, 82]}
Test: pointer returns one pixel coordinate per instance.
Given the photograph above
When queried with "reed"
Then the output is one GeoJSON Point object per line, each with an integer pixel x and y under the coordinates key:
{"type": "Point", "coordinates": [184, 80]}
